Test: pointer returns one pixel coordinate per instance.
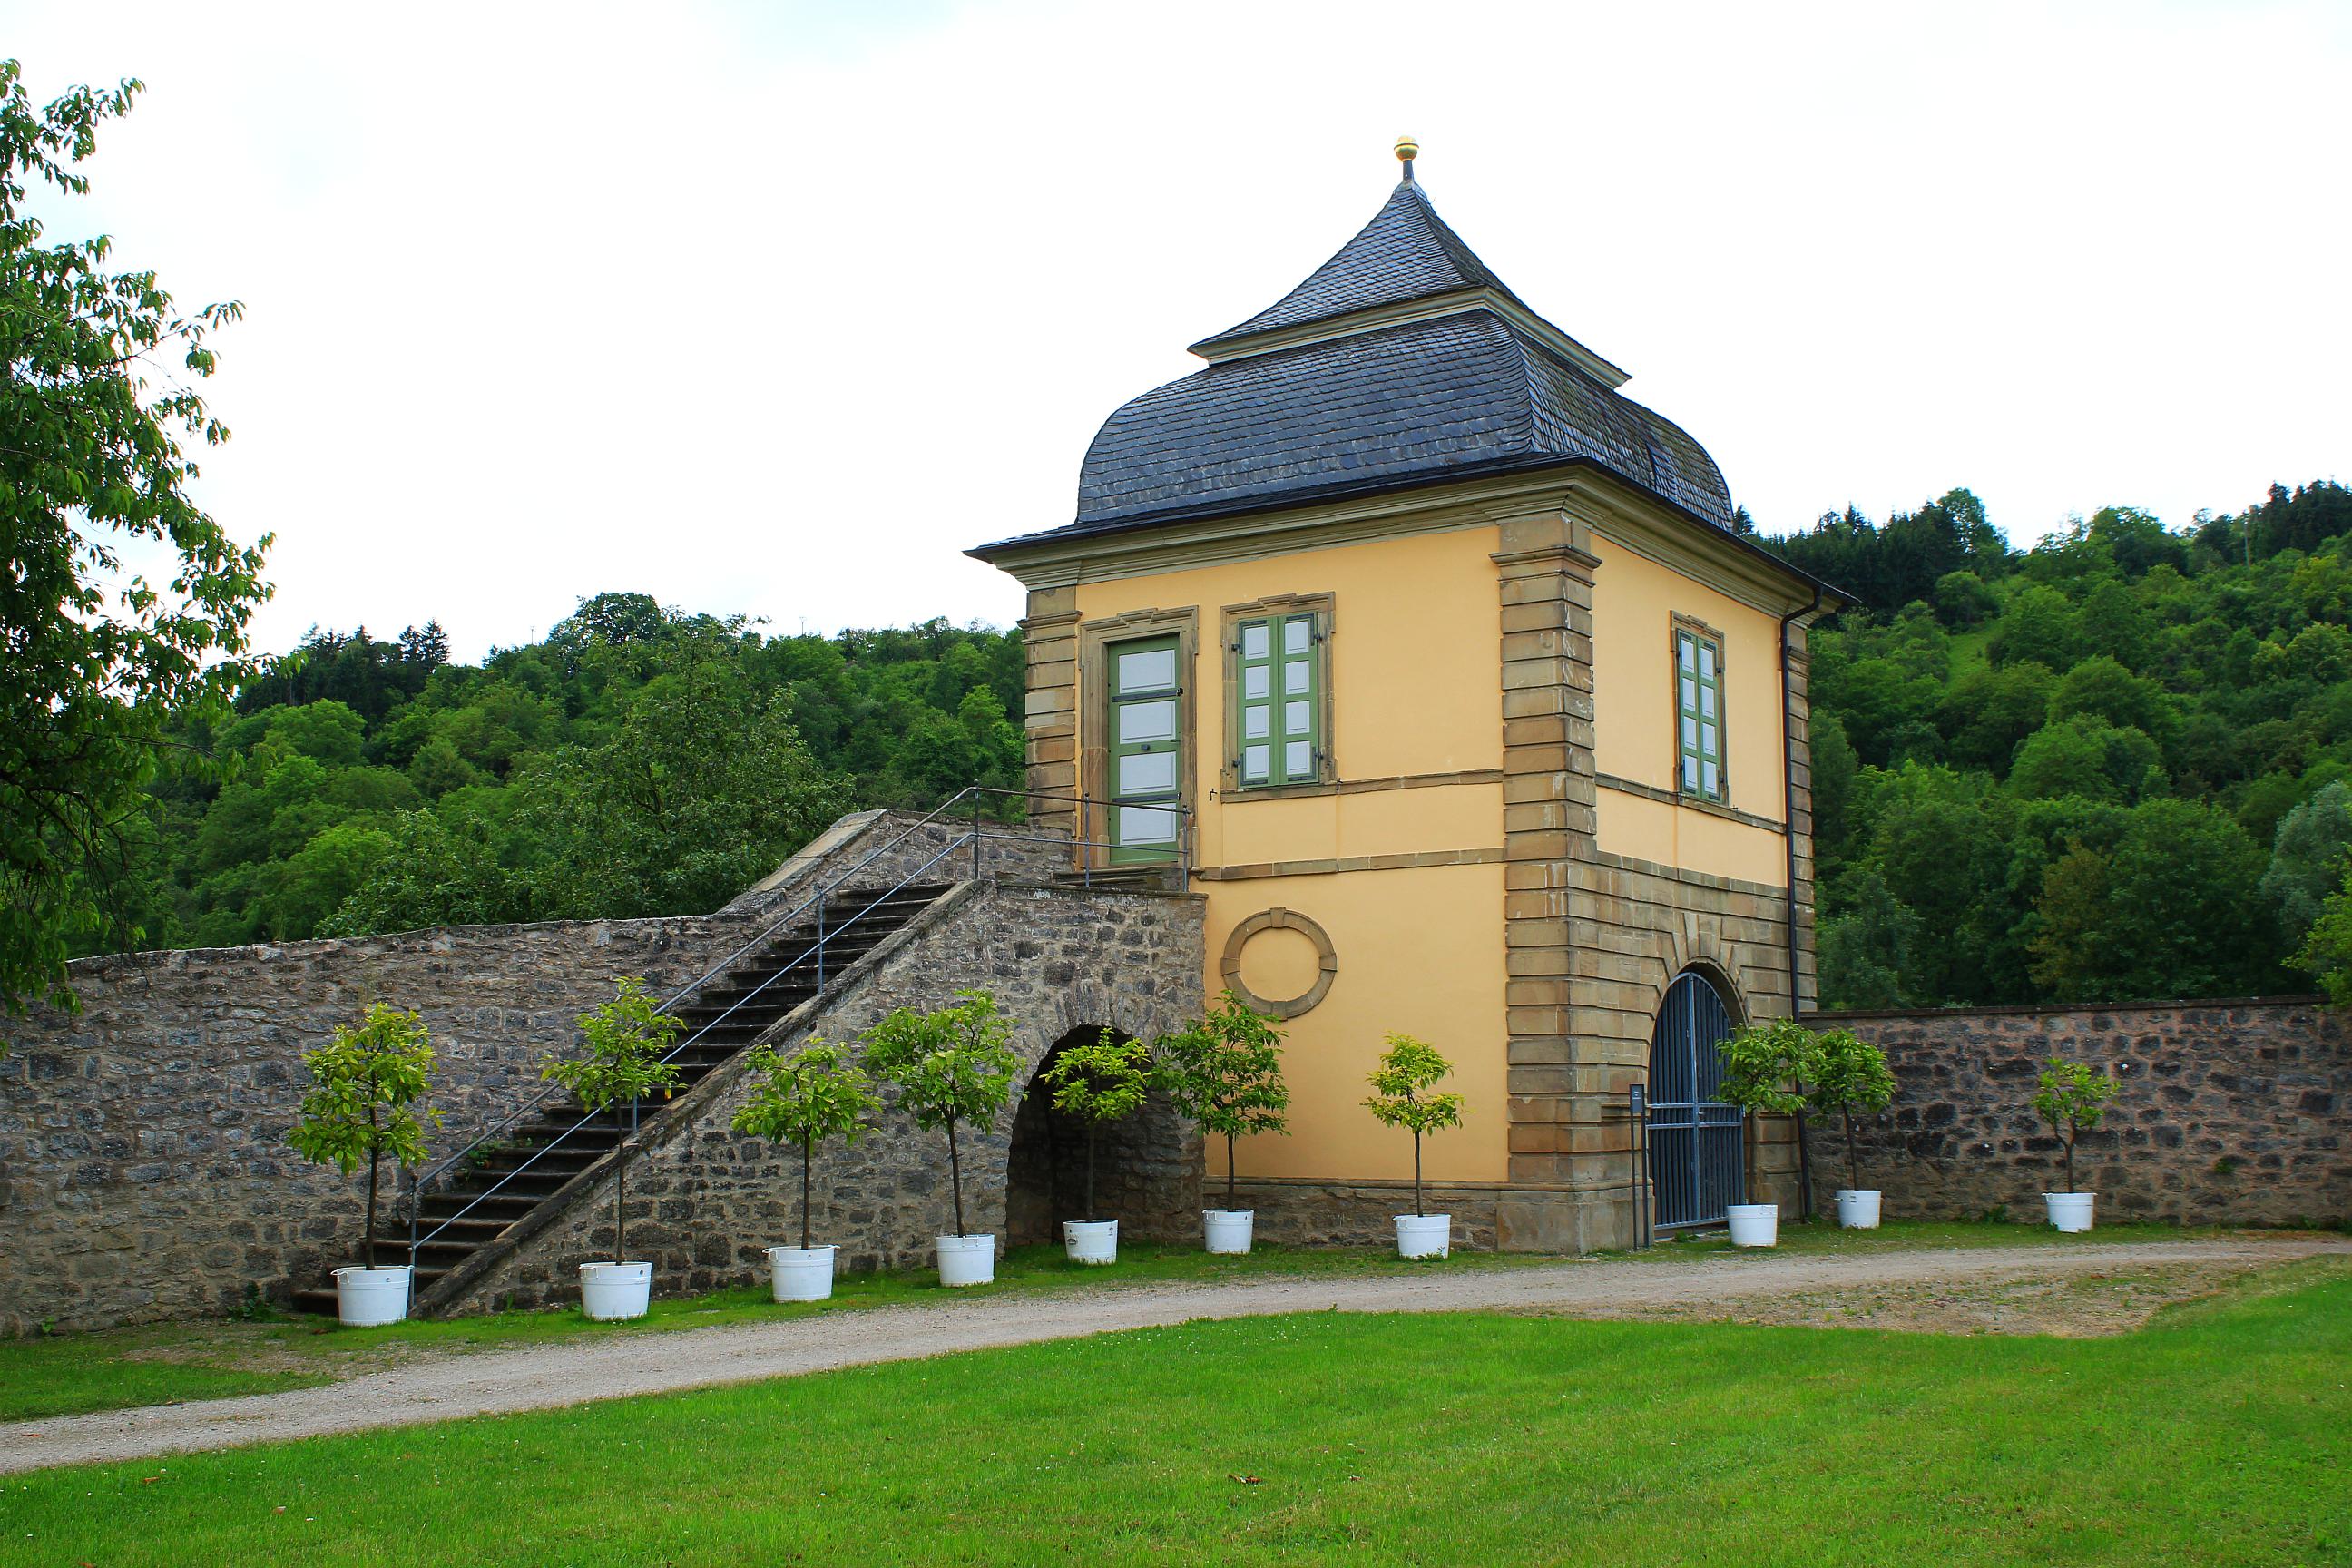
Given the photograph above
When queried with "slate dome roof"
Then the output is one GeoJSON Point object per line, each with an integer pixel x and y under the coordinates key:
{"type": "Point", "coordinates": [1403, 360]}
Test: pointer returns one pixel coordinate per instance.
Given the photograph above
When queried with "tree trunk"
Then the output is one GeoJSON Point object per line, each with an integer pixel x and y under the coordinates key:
{"type": "Point", "coordinates": [620, 1185]}
{"type": "Point", "coordinates": [375, 1160]}
{"type": "Point", "coordinates": [367, 1242]}
{"type": "Point", "coordinates": [1229, 1171]}
{"type": "Point", "coordinates": [1853, 1160]}
{"type": "Point", "coordinates": [955, 1178]}
{"type": "Point", "coordinates": [808, 1158]}
{"type": "Point", "coordinates": [2070, 1160]}
{"type": "Point", "coordinates": [1418, 1208]}
{"type": "Point", "coordinates": [1091, 1215]}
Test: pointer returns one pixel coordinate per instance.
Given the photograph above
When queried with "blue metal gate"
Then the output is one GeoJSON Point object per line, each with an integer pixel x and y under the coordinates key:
{"type": "Point", "coordinates": [1697, 1148]}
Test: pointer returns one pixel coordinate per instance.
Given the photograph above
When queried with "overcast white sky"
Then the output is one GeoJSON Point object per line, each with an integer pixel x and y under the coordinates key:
{"type": "Point", "coordinates": [776, 308]}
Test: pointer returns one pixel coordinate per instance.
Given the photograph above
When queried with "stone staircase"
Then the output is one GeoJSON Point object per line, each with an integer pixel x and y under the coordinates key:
{"type": "Point", "coordinates": [502, 1182]}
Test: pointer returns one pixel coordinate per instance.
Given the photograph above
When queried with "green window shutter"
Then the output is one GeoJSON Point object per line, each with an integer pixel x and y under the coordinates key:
{"type": "Point", "coordinates": [1278, 701]}
{"type": "Point", "coordinates": [1699, 715]}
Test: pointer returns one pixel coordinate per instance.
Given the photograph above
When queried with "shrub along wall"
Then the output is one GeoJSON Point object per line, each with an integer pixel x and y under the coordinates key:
{"type": "Point", "coordinates": [2225, 1111]}
{"type": "Point", "coordinates": [144, 1166]}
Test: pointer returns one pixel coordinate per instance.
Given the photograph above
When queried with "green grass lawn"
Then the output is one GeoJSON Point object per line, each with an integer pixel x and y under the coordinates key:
{"type": "Point", "coordinates": [2222, 1435]}
{"type": "Point", "coordinates": [164, 1364]}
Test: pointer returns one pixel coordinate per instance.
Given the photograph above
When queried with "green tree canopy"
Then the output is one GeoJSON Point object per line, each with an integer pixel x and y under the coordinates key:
{"type": "Point", "coordinates": [103, 658]}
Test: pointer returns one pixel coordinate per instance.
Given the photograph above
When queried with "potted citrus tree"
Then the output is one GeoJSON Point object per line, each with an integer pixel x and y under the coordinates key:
{"type": "Point", "coordinates": [954, 1068]}
{"type": "Point", "coordinates": [1099, 1084]}
{"type": "Point", "coordinates": [1224, 1075]}
{"type": "Point", "coordinates": [1401, 1097]}
{"type": "Point", "coordinates": [1851, 1075]}
{"type": "Point", "coordinates": [1765, 1069]}
{"type": "Point", "coordinates": [364, 1084]}
{"type": "Point", "coordinates": [623, 1065]}
{"type": "Point", "coordinates": [2071, 1097]}
{"type": "Point", "coordinates": [813, 1094]}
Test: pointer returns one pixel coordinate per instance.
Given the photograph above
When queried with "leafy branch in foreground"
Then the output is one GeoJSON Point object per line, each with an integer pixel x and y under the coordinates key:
{"type": "Point", "coordinates": [100, 660]}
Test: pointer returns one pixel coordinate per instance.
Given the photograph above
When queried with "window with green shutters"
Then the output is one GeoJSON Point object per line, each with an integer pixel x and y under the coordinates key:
{"type": "Point", "coordinates": [1698, 713]}
{"type": "Point", "coordinates": [1144, 747]}
{"type": "Point", "coordinates": [1279, 677]}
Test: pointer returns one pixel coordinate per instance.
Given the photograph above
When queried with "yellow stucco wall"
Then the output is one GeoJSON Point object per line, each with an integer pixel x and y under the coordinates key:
{"type": "Point", "coordinates": [1419, 952]}
{"type": "Point", "coordinates": [1634, 602]}
{"type": "Point", "coordinates": [1415, 680]}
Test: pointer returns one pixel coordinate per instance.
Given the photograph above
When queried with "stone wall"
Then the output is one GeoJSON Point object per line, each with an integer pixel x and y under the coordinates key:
{"type": "Point", "coordinates": [2225, 1111]}
{"type": "Point", "coordinates": [703, 1201]}
{"type": "Point", "coordinates": [144, 1166]}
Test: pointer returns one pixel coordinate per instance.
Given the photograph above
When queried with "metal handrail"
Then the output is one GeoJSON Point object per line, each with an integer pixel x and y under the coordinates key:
{"type": "Point", "coordinates": [974, 836]}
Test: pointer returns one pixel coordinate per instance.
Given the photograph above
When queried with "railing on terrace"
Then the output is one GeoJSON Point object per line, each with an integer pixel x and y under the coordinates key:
{"type": "Point", "coordinates": [970, 833]}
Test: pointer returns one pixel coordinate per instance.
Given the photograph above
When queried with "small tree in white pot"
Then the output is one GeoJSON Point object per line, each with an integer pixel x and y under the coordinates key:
{"type": "Point", "coordinates": [364, 1082]}
{"type": "Point", "coordinates": [2072, 1098]}
{"type": "Point", "coordinates": [1765, 1069]}
{"type": "Point", "coordinates": [954, 1068]}
{"type": "Point", "coordinates": [626, 1038]}
{"type": "Point", "coordinates": [1224, 1074]}
{"type": "Point", "coordinates": [1099, 1084]}
{"type": "Point", "coordinates": [815, 1093]}
{"type": "Point", "coordinates": [1401, 1097]}
{"type": "Point", "coordinates": [1851, 1075]}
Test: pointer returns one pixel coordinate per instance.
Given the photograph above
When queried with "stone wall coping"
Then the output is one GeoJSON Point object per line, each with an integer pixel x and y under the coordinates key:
{"type": "Point", "coordinates": [2059, 1009]}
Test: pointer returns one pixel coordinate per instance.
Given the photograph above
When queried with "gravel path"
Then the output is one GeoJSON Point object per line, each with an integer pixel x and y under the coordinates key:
{"type": "Point", "coordinates": [566, 1373]}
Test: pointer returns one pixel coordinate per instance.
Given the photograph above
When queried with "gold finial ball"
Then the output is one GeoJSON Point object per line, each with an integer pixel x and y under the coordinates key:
{"type": "Point", "coordinates": [1407, 149]}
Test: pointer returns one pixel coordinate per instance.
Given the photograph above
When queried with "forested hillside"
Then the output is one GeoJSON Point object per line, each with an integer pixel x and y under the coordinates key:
{"type": "Point", "coordinates": [2113, 766]}
{"type": "Point", "coordinates": [639, 760]}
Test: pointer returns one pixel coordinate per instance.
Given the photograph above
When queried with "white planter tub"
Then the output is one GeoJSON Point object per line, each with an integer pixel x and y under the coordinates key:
{"type": "Point", "coordinates": [967, 1259]}
{"type": "Point", "coordinates": [2069, 1211]}
{"type": "Point", "coordinates": [800, 1273]}
{"type": "Point", "coordinates": [1857, 1211]}
{"type": "Point", "coordinates": [1753, 1225]}
{"type": "Point", "coordinates": [366, 1297]}
{"type": "Point", "coordinates": [1092, 1241]}
{"type": "Point", "coordinates": [1424, 1234]}
{"type": "Point", "coordinates": [1226, 1232]}
{"type": "Point", "coordinates": [610, 1292]}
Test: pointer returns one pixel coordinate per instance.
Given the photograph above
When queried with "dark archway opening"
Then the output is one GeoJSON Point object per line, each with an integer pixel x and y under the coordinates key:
{"type": "Point", "coordinates": [1147, 1165]}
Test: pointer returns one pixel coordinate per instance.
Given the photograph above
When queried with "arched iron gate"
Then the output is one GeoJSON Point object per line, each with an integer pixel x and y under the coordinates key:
{"type": "Point", "coordinates": [1697, 1153]}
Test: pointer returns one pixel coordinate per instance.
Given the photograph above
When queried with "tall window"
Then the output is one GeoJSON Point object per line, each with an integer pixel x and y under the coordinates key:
{"type": "Point", "coordinates": [1279, 687]}
{"type": "Point", "coordinates": [1144, 746]}
{"type": "Point", "coordinates": [1698, 704]}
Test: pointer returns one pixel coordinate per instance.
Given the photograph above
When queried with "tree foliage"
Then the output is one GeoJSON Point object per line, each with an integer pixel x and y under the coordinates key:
{"type": "Point", "coordinates": [1099, 1081]}
{"type": "Point", "coordinates": [803, 1098]}
{"type": "Point", "coordinates": [105, 656]}
{"type": "Point", "coordinates": [2100, 768]}
{"type": "Point", "coordinates": [1849, 1075]}
{"type": "Point", "coordinates": [639, 761]}
{"type": "Point", "coordinates": [1767, 1066]}
{"type": "Point", "coordinates": [2071, 1097]}
{"type": "Point", "coordinates": [1401, 1083]}
{"type": "Point", "coordinates": [1224, 1074]}
{"type": "Point", "coordinates": [364, 1083]}
{"type": "Point", "coordinates": [2326, 950]}
{"type": "Point", "coordinates": [954, 1066]}
{"type": "Point", "coordinates": [627, 1036]}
